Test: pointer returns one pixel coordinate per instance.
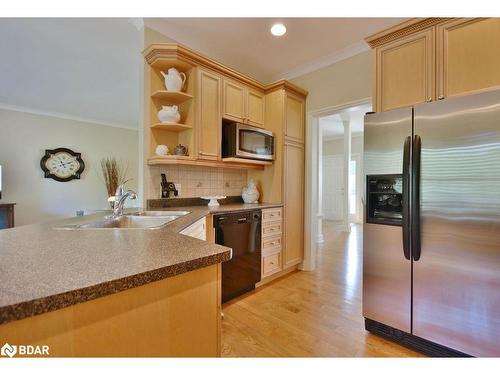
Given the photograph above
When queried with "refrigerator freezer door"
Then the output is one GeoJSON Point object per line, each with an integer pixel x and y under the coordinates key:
{"type": "Point", "coordinates": [456, 281]}
{"type": "Point", "coordinates": [386, 272]}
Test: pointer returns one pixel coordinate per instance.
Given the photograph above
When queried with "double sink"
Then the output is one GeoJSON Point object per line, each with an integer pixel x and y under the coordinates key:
{"type": "Point", "coordinates": [135, 220]}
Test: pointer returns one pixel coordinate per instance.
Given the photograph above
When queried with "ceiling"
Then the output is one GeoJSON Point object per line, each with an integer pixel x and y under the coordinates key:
{"type": "Point", "coordinates": [247, 45]}
{"type": "Point", "coordinates": [86, 68]}
{"type": "Point", "coordinates": [332, 126]}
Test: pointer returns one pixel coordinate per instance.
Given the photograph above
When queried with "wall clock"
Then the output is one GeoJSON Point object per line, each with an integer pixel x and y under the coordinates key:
{"type": "Point", "coordinates": [62, 164]}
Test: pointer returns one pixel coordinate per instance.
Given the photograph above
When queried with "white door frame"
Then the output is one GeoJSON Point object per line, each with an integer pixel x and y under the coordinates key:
{"type": "Point", "coordinates": [357, 218]}
{"type": "Point", "coordinates": [313, 204]}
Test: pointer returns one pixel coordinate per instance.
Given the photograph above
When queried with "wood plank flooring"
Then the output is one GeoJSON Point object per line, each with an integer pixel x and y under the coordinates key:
{"type": "Point", "coordinates": [308, 314]}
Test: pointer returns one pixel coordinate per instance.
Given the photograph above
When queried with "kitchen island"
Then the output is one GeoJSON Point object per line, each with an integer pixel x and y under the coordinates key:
{"type": "Point", "coordinates": [111, 292]}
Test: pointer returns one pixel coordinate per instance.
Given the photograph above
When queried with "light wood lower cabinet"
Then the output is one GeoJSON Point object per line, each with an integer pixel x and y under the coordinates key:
{"type": "Point", "coordinates": [271, 264]}
{"type": "Point", "coordinates": [272, 224]}
{"type": "Point", "coordinates": [174, 317]}
{"type": "Point", "coordinates": [197, 230]}
{"type": "Point", "coordinates": [468, 55]}
{"type": "Point", "coordinates": [209, 115]}
{"type": "Point", "coordinates": [405, 71]}
{"type": "Point", "coordinates": [293, 185]}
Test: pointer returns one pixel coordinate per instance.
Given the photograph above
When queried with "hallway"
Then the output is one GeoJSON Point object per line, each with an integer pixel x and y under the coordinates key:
{"type": "Point", "coordinates": [308, 314]}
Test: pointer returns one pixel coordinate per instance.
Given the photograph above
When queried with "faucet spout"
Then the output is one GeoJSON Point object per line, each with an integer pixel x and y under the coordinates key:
{"type": "Point", "coordinates": [120, 197]}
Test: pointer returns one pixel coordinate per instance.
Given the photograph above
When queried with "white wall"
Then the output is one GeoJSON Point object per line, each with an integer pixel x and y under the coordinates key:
{"type": "Point", "coordinates": [336, 146]}
{"type": "Point", "coordinates": [23, 140]}
{"type": "Point", "coordinates": [346, 81]}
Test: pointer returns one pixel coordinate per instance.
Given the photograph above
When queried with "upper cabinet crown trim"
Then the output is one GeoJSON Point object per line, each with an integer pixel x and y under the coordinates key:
{"type": "Point", "coordinates": [402, 29]}
{"type": "Point", "coordinates": [288, 86]}
{"type": "Point", "coordinates": [160, 54]}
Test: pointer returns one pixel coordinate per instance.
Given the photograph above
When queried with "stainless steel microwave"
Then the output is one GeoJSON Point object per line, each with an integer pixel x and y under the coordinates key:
{"type": "Point", "coordinates": [245, 141]}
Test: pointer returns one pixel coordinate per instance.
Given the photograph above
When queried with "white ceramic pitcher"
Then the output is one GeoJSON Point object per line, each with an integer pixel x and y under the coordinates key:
{"type": "Point", "coordinates": [174, 81]}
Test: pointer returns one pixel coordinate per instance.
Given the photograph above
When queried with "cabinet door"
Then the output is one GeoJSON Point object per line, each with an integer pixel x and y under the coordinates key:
{"type": "Point", "coordinates": [405, 71]}
{"type": "Point", "coordinates": [234, 101]}
{"type": "Point", "coordinates": [294, 118]}
{"type": "Point", "coordinates": [255, 107]}
{"type": "Point", "coordinates": [468, 55]}
{"type": "Point", "coordinates": [293, 181]}
{"type": "Point", "coordinates": [210, 121]}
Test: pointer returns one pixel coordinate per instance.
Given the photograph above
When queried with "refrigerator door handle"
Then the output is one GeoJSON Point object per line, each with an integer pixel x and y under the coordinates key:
{"type": "Point", "coordinates": [415, 213]}
{"type": "Point", "coordinates": [406, 199]}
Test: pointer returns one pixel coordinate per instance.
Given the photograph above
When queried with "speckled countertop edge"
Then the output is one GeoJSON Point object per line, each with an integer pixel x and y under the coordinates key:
{"type": "Point", "coordinates": [31, 307]}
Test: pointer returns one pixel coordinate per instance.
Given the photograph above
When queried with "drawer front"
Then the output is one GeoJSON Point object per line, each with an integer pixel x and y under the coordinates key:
{"type": "Point", "coordinates": [272, 228]}
{"type": "Point", "coordinates": [271, 264]}
{"type": "Point", "coordinates": [271, 244]}
{"type": "Point", "coordinates": [271, 214]}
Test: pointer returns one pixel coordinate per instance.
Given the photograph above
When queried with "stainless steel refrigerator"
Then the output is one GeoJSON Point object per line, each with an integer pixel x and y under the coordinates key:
{"type": "Point", "coordinates": [431, 245]}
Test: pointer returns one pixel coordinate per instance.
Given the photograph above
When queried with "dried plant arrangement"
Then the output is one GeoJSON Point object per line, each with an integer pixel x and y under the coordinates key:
{"type": "Point", "coordinates": [114, 173]}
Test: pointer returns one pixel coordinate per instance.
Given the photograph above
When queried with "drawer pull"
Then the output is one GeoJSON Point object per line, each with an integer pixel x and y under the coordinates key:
{"type": "Point", "coordinates": [271, 263]}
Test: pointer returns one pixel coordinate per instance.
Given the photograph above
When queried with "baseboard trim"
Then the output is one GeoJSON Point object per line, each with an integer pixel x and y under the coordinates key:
{"type": "Point", "coordinates": [410, 341]}
{"type": "Point", "coordinates": [277, 275]}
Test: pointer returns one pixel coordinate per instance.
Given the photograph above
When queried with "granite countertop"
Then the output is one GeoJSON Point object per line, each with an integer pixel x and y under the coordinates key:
{"type": "Point", "coordinates": [44, 269]}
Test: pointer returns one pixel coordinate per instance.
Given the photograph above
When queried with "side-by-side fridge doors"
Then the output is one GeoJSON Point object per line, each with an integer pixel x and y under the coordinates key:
{"type": "Point", "coordinates": [386, 252]}
{"type": "Point", "coordinates": [456, 267]}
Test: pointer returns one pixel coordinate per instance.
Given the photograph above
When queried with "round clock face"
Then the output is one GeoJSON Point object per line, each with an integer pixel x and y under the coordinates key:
{"type": "Point", "coordinates": [62, 164]}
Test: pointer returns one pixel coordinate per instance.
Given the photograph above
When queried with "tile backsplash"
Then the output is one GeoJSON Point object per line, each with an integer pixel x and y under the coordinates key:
{"type": "Point", "coordinates": [198, 181]}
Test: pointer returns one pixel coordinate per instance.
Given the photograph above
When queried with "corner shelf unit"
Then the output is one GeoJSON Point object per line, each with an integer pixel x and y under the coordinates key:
{"type": "Point", "coordinates": [171, 126]}
{"type": "Point", "coordinates": [171, 97]}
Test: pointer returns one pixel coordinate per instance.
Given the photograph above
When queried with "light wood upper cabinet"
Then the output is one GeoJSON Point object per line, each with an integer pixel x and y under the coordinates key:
{"type": "Point", "coordinates": [294, 117]}
{"type": "Point", "coordinates": [233, 101]}
{"type": "Point", "coordinates": [243, 104]}
{"type": "Point", "coordinates": [405, 71]}
{"type": "Point", "coordinates": [468, 55]}
{"type": "Point", "coordinates": [293, 183]}
{"type": "Point", "coordinates": [255, 104]}
{"type": "Point", "coordinates": [210, 119]}
{"type": "Point", "coordinates": [433, 58]}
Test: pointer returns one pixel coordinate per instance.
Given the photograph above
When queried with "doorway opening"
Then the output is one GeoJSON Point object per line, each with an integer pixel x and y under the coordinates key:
{"type": "Point", "coordinates": [340, 168]}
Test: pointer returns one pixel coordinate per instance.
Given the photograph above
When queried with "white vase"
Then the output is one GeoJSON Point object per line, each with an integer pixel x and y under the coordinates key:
{"type": "Point", "coordinates": [249, 193]}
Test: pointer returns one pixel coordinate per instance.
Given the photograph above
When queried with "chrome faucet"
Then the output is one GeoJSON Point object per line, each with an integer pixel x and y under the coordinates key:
{"type": "Point", "coordinates": [120, 197]}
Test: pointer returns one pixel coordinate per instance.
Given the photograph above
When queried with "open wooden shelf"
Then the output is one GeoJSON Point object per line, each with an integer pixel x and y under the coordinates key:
{"type": "Point", "coordinates": [246, 161]}
{"type": "Point", "coordinates": [189, 160]}
{"type": "Point", "coordinates": [171, 126]}
{"type": "Point", "coordinates": [172, 97]}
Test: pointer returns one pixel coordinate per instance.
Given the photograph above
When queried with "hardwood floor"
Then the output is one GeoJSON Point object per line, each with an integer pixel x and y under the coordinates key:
{"type": "Point", "coordinates": [308, 314]}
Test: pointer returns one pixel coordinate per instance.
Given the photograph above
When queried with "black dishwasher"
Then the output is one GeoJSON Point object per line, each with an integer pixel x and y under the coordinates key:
{"type": "Point", "coordinates": [241, 232]}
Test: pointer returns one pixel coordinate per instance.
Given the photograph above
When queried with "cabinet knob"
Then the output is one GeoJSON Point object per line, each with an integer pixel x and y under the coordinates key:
{"type": "Point", "coordinates": [429, 99]}
{"type": "Point", "coordinates": [441, 97]}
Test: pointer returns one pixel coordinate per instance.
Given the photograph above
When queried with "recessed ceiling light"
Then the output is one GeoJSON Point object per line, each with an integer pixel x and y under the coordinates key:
{"type": "Point", "coordinates": [278, 29]}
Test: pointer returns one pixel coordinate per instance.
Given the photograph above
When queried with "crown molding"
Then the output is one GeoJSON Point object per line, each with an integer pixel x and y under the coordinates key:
{"type": "Point", "coordinates": [65, 116]}
{"type": "Point", "coordinates": [286, 85]}
{"type": "Point", "coordinates": [402, 29]}
{"type": "Point", "coordinates": [164, 55]}
{"type": "Point", "coordinates": [343, 54]}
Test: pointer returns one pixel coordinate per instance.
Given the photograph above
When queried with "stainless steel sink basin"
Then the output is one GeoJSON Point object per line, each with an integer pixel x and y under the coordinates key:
{"type": "Point", "coordinates": [135, 220]}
